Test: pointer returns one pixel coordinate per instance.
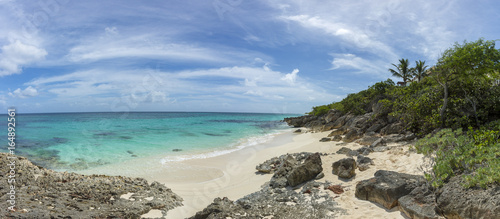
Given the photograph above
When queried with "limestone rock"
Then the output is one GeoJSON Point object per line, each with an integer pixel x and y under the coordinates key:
{"type": "Point", "coordinates": [337, 138]}
{"type": "Point", "coordinates": [387, 187]}
{"type": "Point", "coordinates": [305, 172]}
{"type": "Point", "coordinates": [457, 202]}
{"type": "Point", "coordinates": [325, 139]}
{"type": "Point", "coordinates": [344, 168]}
{"type": "Point", "coordinates": [351, 136]}
{"type": "Point", "coordinates": [339, 131]}
{"type": "Point", "coordinates": [420, 203]}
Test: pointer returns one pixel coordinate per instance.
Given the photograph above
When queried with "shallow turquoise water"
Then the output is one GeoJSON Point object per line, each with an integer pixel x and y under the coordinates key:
{"type": "Point", "coordinates": [76, 141]}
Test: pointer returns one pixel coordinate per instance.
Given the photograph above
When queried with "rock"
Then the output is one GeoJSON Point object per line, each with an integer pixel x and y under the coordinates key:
{"type": "Point", "coordinates": [378, 142]}
{"type": "Point", "coordinates": [339, 131]}
{"type": "Point", "coordinates": [407, 137]}
{"type": "Point", "coordinates": [364, 150]}
{"type": "Point", "coordinates": [275, 203]}
{"type": "Point", "coordinates": [306, 171]}
{"type": "Point", "coordinates": [176, 150]}
{"type": "Point", "coordinates": [269, 166]}
{"type": "Point", "coordinates": [380, 149]}
{"type": "Point", "coordinates": [375, 127]}
{"type": "Point", "coordinates": [367, 140]}
{"type": "Point", "coordinates": [328, 126]}
{"type": "Point", "coordinates": [337, 138]}
{"type": "Point", "coordinates": [320, 176]}
{"type": "Point", "coordinates": [344, 168]}
{"type": "Point", "coordinates": [351, 136]}
{"type": "Point", "coordinates": [393, 128]}
{"type": "Point", "coordinates": [219, 205]}
{"type": "Point", "coordinates": [352, 153]}
{"type": "Point", "coordinates": [420, 203]}
{"type": "Point", "coordinates": [325, 139]}
{"type": "Point", "coordinates": [298, 131]}
{"type": "Point", "coordinates": [302, 121]}
{"type": "Point", "coordinates": [343, 150]}
{"type": "Point", "coordinates": [341, 121]}
{"type": "Point", "coordinates": [364, 162]}
{"type": "Point", "coordinates": [332, 115]}
{"type": "Point", "coordinates": [49, 194]}
{"type": "Point", "coordinates": [387, 187]}
{"type": "Point", "coordinates": [294, 169]}
{"type": "Point", "coordinates": [457, 202]}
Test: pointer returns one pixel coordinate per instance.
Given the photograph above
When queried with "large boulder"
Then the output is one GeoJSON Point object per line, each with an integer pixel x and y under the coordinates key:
{"type": "Point", "coordinates": [455, 201]}
{"type": "Point", "coordinates": [344, 168]}
{"type": "Point", "coordinates": [306, 171]}
{"type": "Point", "coordinates": [387, 187]}
{"type": "Point", "coordinates": [275, 163]}
{"type": "Point", "coordinates": [292, 172]}
{"type": "Point", "coordinates": [420, 203]}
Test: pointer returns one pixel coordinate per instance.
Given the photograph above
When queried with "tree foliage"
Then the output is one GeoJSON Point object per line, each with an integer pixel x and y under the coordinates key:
{"type": "Point", "coordinates": [402, 70]}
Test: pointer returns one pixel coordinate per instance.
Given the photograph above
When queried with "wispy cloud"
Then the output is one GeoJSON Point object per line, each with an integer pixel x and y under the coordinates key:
{"type": "Point", "coordinates": [27, 92]}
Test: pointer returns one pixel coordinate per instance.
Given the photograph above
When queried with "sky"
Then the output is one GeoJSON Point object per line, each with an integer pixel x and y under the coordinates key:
{"type": "Point", "coordinates": [272, 56]}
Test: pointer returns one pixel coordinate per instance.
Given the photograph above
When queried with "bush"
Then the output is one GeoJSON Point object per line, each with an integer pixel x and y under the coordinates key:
{"type": "Point", "coordinates": [475, 154]}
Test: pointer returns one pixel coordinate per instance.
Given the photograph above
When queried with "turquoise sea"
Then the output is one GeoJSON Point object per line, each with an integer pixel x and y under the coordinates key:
{"type": "Point", "coordinates": [77, 141]}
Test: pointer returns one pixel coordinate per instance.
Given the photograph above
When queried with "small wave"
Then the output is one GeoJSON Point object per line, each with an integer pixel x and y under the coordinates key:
{"type": "Point", "coordinates": [242, 143]}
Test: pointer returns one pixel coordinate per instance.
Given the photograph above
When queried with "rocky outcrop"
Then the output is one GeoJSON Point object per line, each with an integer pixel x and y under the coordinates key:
{"type": "Point", "coordinates": [310, 202]}
{"type": "Point", "coordinates": [292, 169]}
{"type": "Point", "coordinates": [420, 203]}
{"type": "Point", "coordinates": [344, 168]}
{"type": "Point", "coordinates": [376, 120]}
{"type": "Point", "coordinates": [387, 187]}
{"type": "Point", "coordinates": [44, 193]}
{"type": "Point", "coordinates": [455, 201]}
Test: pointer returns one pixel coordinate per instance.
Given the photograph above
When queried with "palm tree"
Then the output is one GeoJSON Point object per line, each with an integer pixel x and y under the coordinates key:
{"type": "Point", "coordinates": [420, 69]}
{"type": "Point", "coordinates": [402, 70]}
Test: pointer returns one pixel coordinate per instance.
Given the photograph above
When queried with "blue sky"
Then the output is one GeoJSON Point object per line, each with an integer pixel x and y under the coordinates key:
{"type": "Point", "coordinates": [218, 55]}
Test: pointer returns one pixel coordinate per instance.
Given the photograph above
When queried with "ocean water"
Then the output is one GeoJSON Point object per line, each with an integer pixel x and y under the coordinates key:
{"type": "Point", "coordinates": [77, 141]}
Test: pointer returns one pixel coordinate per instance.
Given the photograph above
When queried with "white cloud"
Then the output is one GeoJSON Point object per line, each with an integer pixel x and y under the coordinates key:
{"type": "Point", "coordinates": [291, 78]}
{"type": "Point", "coordinates": [241, 86]}
{"type": "Point", "coordinates": [27, 92]}
{"type": "Point", "coordinates": [16, 54]}
{"type": "Point", "coordinates": [351, 61]}
{"type": "Point", "coordinates": [350, 34]}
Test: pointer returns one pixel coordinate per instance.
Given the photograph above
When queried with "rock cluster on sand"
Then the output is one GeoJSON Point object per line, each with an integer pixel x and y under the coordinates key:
{"type": "Point", "coordinates": [44, 193]}
{"type": "Point", "coordinates": [313, 201]}
{"type": "Point", "coordinates": [292, 169]}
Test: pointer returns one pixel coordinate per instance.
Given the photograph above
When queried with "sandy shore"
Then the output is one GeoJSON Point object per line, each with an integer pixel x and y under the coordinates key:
{"type": "Point", "coordinates": [233, 175]}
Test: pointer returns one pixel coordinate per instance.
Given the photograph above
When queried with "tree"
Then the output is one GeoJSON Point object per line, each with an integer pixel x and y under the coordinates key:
{"type": "Point", "coordinates": [402, 70]}
{"type": "Point", "coordinates": [467, 62]}
{"type": "Point", "coordinates": [420, 69]}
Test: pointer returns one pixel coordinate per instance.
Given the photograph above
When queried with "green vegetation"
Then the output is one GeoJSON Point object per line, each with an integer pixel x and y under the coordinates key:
{"type": "Point", "coordinates": [461, 92]}
{"type": "Point", "coordinates": [474, 154]}
{"type": "Point", "coordinates": [358, 103]}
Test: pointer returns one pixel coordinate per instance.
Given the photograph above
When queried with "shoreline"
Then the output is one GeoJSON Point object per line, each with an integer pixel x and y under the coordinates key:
{"type": "Point", "coordinates": [234, 175]}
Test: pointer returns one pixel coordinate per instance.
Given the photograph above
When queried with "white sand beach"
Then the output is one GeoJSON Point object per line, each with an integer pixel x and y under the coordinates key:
{"type": "Point", "coordinates": [233, 175]}
{"type": "Point", "coordinates": [199, 181]}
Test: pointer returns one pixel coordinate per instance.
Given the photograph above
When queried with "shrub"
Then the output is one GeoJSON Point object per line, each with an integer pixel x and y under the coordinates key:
{"type": "Point", "coordinates": [475, 154]}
